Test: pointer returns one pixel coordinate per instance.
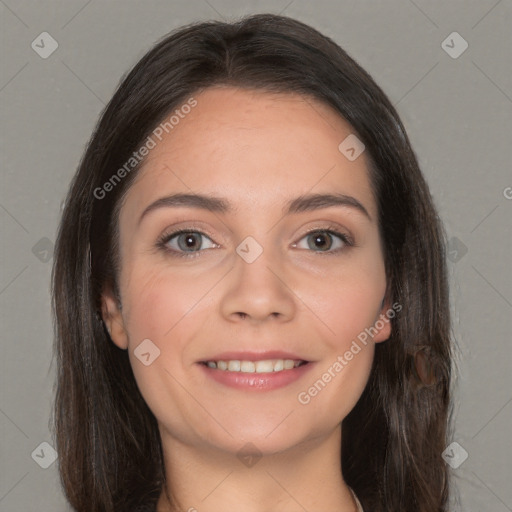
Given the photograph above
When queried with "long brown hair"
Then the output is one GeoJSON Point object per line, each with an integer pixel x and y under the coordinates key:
{"type": "Point", "coordinates": [107, 438]}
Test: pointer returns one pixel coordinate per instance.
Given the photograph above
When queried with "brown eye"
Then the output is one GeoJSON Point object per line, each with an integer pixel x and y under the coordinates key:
{"type": "Point", "coordinates": [189, 241]}
{"type": "Point", "coordinates": [186, 241]}
{"type": "Point", "coordinates": [324, 240]}
{"type": "Point", "coordinates": [320, 241]}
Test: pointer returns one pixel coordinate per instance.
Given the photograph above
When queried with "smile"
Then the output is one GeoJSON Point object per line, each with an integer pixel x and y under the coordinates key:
{"type": "Point", "coordinates": [255, 371]}
{"type": "Point", "coordinates": [264, 366]}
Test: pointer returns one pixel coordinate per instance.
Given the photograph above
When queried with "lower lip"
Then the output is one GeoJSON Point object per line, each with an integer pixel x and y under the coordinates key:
{"type": "Point", "coordinates": [257, 381]}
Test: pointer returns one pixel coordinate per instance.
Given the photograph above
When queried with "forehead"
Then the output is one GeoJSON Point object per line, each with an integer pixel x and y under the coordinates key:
{"type": "Point", "coordinates": [253, 147]}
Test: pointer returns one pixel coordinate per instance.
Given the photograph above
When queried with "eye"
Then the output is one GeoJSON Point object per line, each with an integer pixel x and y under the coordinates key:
{"type": "Point", "coordinates": [324, 240]}
{"type": "Point", "coordinates": [185, 241]}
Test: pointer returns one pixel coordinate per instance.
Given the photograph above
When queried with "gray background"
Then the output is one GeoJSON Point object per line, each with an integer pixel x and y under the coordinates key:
{"type": "Point", "coordinates": [458, 113]}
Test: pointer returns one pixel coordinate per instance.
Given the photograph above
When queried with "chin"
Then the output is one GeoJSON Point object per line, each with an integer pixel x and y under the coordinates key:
{"type": "Point", "coordinates": [264, 438]}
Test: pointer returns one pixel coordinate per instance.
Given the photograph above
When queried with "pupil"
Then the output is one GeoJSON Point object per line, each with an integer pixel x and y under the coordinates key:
{"type": "Point", "coordinates": [190, 241]}
{"type": "Point", "coordinates": [320, 240]}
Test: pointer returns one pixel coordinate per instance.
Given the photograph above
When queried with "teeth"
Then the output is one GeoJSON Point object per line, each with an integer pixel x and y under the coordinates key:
{"type": "Point", "coordinates": [278, 365]}
{"type": "Point", "coordinates": [264, 366]}
{"type": "Point", "coordinates": [246, 366]}
{"type": "Point", "coordinates": [234, 366]}
{"type": "Point", "coordinates": [267, 366]}
{"type": "Point", "coordinates": [288, 364]}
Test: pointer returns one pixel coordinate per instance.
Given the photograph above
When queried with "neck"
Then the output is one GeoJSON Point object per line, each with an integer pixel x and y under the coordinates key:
{"type": "Point", "coordinates": [305, 477]}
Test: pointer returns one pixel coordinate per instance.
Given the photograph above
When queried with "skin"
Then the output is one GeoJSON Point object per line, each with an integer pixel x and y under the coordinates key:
{"type": "Point", "coordinates": [257, 150]}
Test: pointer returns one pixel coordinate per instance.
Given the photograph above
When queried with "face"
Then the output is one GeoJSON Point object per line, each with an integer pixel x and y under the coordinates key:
{"type": "Point", "coordinates": [257, 278]}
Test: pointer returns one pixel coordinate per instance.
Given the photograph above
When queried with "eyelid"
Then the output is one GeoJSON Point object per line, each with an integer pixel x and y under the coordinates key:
{"type": "Point", "coordinates": [332, 229]}
{"type": "Point", "coordinates": [170, 233]}
{"type": "Point", "coordinates": [185, 227]}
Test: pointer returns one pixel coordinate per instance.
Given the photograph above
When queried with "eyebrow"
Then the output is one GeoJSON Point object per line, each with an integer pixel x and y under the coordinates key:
{"type": "Point", "coordinates": [304, 203]}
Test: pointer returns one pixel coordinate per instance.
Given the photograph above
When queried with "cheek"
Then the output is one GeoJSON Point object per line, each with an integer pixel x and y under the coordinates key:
{"type": "Point", "coordinates": [167, 308]}
{"type": "Point", "coordinates": [336, 385]}
{"type": "Point", "coordinates": [350, 304]}
{"type": "Point", "coordinates": [160, 308]}
{"type": "Point", "coordinates": [158, 302]}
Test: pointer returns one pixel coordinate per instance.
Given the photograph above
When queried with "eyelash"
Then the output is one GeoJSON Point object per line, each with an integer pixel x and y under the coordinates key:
{"type": "Point", "coordinates": [167, 237]}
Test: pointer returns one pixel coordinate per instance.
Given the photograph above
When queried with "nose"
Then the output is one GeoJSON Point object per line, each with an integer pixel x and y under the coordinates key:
{"type": "Point", "coordinates": [258, 291]}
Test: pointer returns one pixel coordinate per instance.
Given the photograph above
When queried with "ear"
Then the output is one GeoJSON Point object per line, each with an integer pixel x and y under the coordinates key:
{"type": "Point", "coordinates": [383, 322]}
{"type": "Point", "coordinates": [113, 318]}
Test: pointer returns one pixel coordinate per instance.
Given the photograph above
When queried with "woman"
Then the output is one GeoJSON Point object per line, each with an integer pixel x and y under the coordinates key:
{"type": "Point", "coordinates": [250, 289]}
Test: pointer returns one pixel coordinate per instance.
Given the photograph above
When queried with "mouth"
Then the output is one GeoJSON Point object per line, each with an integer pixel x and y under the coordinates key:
{"type": "Point", "coordinates": [262, 371]}
{"type": "Point", "coordinates": [260, 366]}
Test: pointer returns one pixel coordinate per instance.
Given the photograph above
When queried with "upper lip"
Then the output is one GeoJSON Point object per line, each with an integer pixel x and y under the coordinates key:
{"type": "Point", "coordinates": [254, 356]}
